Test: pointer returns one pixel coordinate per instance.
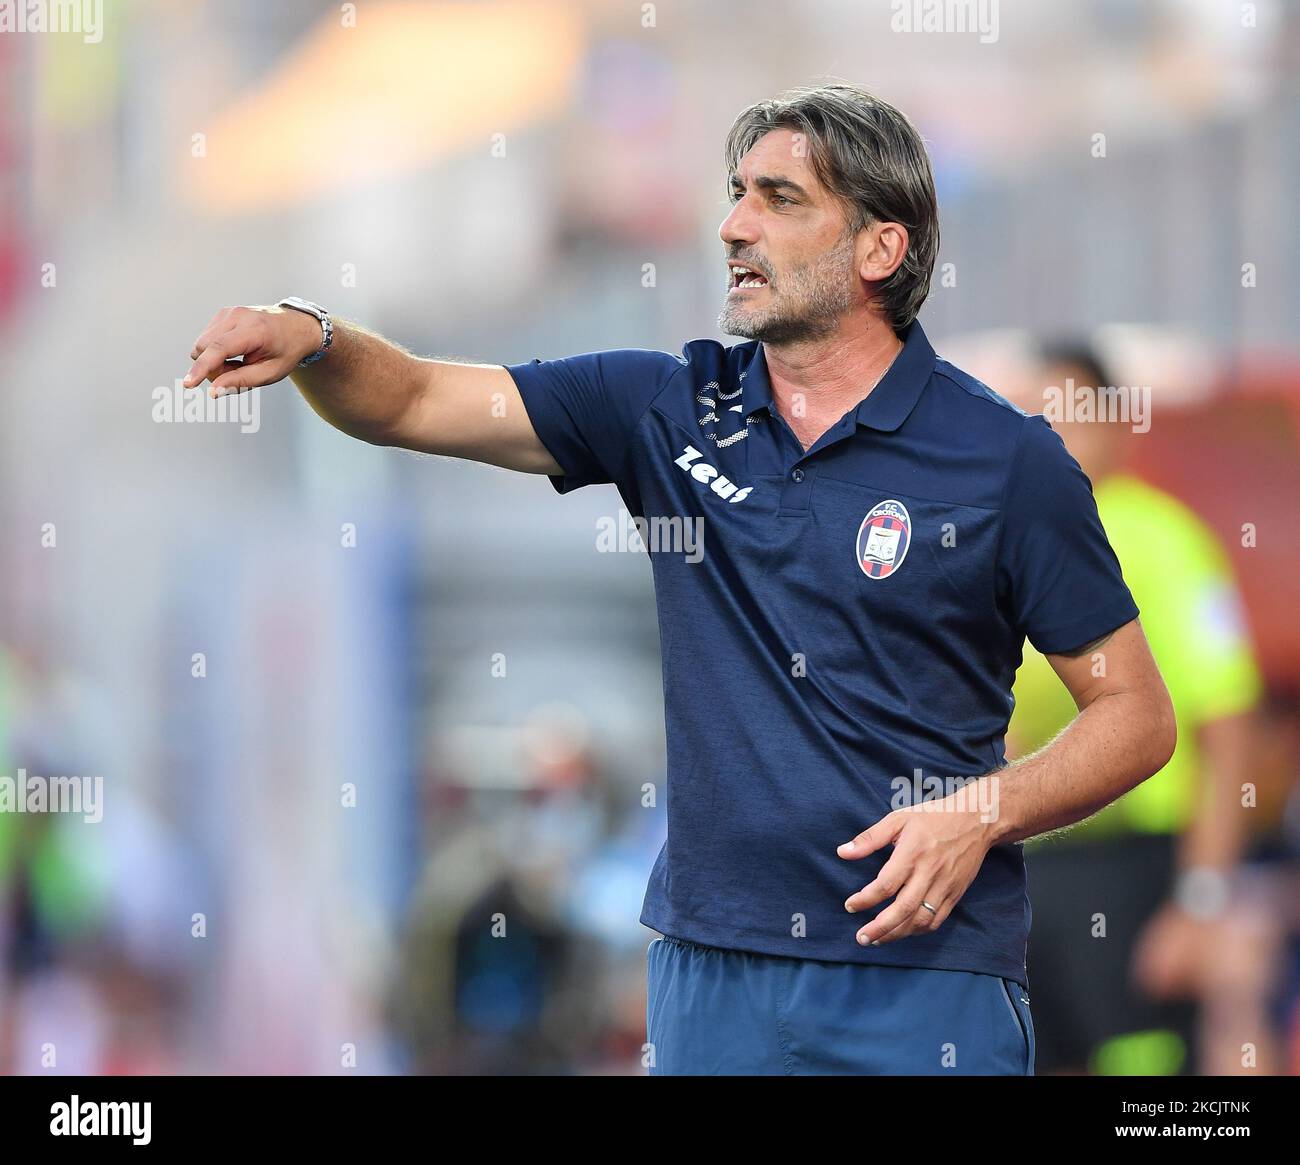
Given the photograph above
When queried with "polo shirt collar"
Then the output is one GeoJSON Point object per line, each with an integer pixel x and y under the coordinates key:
{"type": "Point", "coordinates": [885, 407]}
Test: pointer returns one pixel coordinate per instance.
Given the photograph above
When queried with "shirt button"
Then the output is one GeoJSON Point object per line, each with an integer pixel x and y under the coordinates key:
{"type": "Point", "coordinates": [797, 476]}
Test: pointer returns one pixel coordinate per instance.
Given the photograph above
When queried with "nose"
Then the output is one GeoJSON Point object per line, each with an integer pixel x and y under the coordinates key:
{"type": "Point", "coordinates": [739, 227]}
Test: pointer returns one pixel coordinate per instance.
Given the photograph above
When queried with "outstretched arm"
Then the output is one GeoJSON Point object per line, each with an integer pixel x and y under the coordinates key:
{"type": "Point", "coordinates": [373, 389]}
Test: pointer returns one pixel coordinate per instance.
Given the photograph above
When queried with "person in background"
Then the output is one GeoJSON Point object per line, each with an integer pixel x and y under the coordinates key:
{"type": "Point", "coordinates": [1130, 906]}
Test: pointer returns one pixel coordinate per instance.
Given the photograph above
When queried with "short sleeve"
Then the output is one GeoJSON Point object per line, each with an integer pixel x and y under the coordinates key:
{"type": "Point", "coordinates": [1056, 568]}
{"type": "Point", "coordinates": [585, 409]}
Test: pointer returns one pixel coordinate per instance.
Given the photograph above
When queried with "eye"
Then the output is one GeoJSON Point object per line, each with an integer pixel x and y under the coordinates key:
{"type": "Point", "coordinates": [782, 200]}
{"type": "Point", "coordinates": [735, 194]}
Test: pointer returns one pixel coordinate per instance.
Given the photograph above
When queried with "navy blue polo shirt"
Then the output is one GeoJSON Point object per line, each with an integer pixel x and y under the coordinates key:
{"type": "Point", "coordinates": [855, 621]}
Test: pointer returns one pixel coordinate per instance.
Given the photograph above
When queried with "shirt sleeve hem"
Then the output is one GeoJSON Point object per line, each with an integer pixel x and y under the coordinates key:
{"type": "Point", "coordinates": [1072, 636]}
{"type": "Point", "coordinates": [526, 380]}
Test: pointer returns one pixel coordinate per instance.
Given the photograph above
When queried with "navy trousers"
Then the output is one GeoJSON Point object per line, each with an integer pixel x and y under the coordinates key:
{"type": "Point", "coordinates": [722, 1012]}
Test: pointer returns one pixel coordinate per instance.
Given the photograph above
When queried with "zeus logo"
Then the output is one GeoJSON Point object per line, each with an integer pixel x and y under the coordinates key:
{"type": "Point", "coordinates": [719, 484]}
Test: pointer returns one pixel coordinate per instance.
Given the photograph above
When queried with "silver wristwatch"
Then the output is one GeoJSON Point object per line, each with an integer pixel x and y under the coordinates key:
{"type": "Point", "coordinates": [319, 313]}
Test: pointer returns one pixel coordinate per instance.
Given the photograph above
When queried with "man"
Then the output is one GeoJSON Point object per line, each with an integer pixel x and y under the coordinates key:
{"type": "Point", "coordinates": [1157, 865]}
{"type": "Point", "coordinates": [881, 533]}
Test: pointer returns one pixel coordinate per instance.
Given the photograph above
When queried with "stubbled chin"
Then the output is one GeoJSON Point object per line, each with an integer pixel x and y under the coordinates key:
{"type": "Point", "coordinates": [734, 320]}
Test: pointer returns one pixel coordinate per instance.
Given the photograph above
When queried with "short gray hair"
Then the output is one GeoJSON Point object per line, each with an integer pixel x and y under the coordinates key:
{"type": "Point", "coordinates": [871, 157]}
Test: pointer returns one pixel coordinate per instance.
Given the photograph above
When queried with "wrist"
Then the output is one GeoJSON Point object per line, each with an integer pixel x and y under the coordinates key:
{"type": "Point", "coordinates": [325, 337]}
{"type": "Point", "coordinates": [1203, 892]}
{"type": "Point", "coordinates": [995, 809]}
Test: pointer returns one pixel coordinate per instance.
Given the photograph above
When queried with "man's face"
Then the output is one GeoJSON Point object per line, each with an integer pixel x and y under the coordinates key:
{"type": "Point", "coordinates": [794, 237]}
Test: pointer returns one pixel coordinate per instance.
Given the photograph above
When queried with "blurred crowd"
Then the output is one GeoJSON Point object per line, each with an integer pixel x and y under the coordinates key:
{"type": "Point", "coordinates": [381, 735]}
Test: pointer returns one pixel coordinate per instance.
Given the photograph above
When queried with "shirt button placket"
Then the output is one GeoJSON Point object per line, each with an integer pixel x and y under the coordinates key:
{"type": "Point", "coordinates": [797, 492]}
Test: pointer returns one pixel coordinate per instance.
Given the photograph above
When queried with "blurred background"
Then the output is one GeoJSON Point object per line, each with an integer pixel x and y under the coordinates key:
{"type": "Point", "coordinates": [380, 735]}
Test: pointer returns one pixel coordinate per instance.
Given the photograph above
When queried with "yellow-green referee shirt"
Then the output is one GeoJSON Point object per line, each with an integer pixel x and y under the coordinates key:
{"type": "Point", "coordinates": [1183, 585]}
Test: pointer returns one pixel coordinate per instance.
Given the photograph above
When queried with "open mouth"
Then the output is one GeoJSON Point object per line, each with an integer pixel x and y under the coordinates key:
{"type": "Point", "coordinates": [745, 278]}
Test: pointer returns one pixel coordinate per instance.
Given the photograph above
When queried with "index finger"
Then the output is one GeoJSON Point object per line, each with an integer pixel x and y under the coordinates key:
{"type": "Point", "coordinates": [218, 325]}
{"type": "Point", "coordinates": [209, 364]}
{"type": "Point", "coordinates": [873, 838]}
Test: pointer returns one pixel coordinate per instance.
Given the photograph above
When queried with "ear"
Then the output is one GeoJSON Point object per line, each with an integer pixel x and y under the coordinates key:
{"type": "Point", "coordinates": [881, 249]}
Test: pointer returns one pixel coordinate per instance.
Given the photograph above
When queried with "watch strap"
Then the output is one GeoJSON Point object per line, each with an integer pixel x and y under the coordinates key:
{"type": "Point", "coordinates": [322, 316]}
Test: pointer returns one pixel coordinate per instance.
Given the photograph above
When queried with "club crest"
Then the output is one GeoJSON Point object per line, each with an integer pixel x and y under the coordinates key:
{"type": "Point", "coordinates": [883, 539]}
